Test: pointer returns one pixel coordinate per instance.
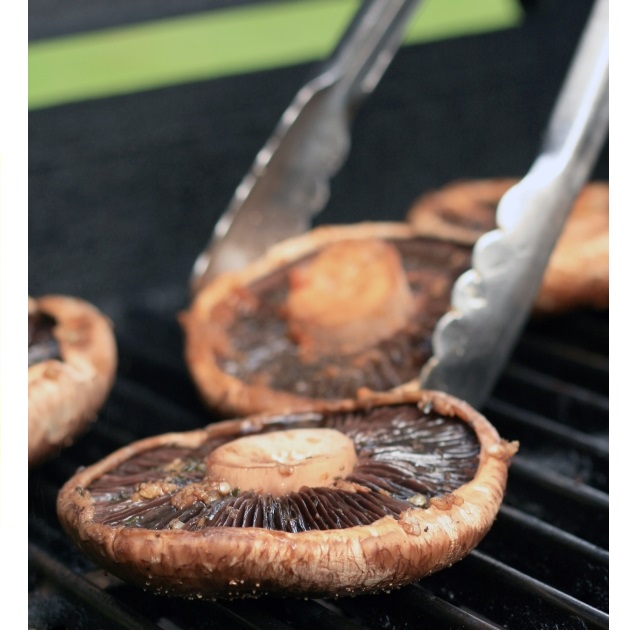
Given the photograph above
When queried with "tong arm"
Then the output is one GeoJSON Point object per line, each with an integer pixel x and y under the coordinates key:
{"type": "Point", "coordinates": [491, 301]}
{"type": "Point", "coordinates": [288, 183]}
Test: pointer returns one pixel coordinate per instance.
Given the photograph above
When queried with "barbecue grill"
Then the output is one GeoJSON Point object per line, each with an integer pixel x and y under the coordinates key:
{"type": "Point", "coordinates": [124, 192]}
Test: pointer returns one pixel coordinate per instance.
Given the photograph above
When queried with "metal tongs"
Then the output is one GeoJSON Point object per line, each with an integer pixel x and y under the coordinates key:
{"type": "Point", "coordinates": [491, 301]}
{"type": "Point", "coordinates": [288, 185]}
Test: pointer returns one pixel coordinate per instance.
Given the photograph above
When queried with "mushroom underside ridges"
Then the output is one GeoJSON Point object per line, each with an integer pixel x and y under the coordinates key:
{"type": "Point", "coordinates": [406, 456]}
{"type": "Point", "coordinates": [260, 349]}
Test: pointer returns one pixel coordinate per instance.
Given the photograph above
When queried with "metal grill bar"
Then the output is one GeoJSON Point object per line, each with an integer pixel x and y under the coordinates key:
{"type": "Point", "coordinates": [587, 496]}
{"type": "Point", "coordinates": [556, 536]}
{"type": "Point", "coordinates": [550, 555]}
{"type": "Point", "coordinates": [459, 617]}
{"type": "Point", "coordinates": [573, 364]}
{"type": "Point", "coordinates": [414, 607]}
{"type": "Point", "coordinates": [573, 606]}
{"type": "Point", "coordinates": [537, 382]}
{"type": "Point", "coordinates": [503, 413]}
{"type": "Point", "coordinates": [317, 613]}
{"type": "Point", "coordinates": [74, 584]}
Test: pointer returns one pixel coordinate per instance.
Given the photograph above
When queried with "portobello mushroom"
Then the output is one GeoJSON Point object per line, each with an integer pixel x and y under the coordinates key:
{"type": "Point", "coordinates": [72, 360]}
{"type": "Point", "coordinates": [320, 316]}
{"type": "Point", "coordinates": [351, 497]}
{"type": "Point", "coordinates": [577, 274]}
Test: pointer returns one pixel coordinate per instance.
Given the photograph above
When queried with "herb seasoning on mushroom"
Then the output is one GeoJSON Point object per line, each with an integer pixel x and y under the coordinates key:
{"type": "Point", "coordinates": [347, 498]}
{"type": "Point", "coordinates": [72, 360]}
{"type": "Point", "coordinates": [577, 273]}
{"type": "Point", "coordinates": [320, 316]}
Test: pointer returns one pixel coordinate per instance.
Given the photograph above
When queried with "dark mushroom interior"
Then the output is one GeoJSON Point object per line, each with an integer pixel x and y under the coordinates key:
{"type": "Point", "coordinates": [42, 344]}
{"type": "Point", "coordinates": [406, 456]}
{"type": "Point", "coordinates": [261, 351]}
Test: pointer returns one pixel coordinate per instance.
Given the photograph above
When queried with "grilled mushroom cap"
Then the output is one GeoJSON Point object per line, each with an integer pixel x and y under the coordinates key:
{"type": "Point", "coordinates": [72, 360]}
{"type": "Point", "coordinates": [577, 273]}
{"type": "Point", "coordinates": [320, 316]}
{"type": "Point", "coordinates": [428, 479]}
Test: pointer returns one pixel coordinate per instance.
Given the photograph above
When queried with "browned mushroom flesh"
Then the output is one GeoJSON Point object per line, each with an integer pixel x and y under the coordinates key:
{"type": "Point", "coordinates": [72, 360]}
{"type": "Point", "coordinates": [354, 497]}
{"type": "Point", "coordinates": [320, 316]}
{"type": "Point", "coordinates": [577, 274]}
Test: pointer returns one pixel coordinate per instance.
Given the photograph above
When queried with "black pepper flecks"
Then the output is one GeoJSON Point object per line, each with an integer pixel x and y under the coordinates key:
{"type": "Point", "coordinates": [405, 456]}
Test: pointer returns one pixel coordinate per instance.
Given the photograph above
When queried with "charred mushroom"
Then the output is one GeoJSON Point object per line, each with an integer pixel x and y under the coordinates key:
{"type": "Point", "coordinates": [349, 498]}
{"type": "Point", "coordinates": [320, 316]}
{"type": "Point", "coordinates": [71, 365]}
{"type": "Point", "coordinates": [577, 274]}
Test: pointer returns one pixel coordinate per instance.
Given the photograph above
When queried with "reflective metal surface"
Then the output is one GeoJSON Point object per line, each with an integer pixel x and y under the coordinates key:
{"type": "Point", "coordinates": [491, 301]}
{"type": "Point", "coordinates": [288, 183]}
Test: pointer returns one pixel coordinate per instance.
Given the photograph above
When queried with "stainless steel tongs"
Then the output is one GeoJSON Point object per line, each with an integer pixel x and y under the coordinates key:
{"type": "Point", "coordinates": [491, 301]}
{"type": "Point", "coordinates": [288, 185]}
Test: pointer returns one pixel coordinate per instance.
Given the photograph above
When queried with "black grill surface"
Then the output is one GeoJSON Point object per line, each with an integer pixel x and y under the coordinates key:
{"type": "Point", "coordinates": [123, 194]}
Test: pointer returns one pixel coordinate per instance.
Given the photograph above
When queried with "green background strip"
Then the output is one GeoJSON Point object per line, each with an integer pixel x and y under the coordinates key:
{"type": "Point", "coordinates": [225, 42]}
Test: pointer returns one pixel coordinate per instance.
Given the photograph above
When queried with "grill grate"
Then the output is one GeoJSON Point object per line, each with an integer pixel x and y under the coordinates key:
{"type": "Point", "coordinates": [543, 565]}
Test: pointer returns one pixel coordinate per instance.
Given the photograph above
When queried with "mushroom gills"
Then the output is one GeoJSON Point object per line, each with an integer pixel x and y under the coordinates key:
{"type": "Point", "coordinates": [265, 344]}
{"type": "Point", "coordinates": [404, 457]}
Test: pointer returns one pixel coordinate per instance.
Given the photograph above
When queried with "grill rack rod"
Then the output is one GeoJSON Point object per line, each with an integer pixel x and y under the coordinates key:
{"type": "Point", "coordinates": [525, 419]}
{"type": "Point", "coordinates": [572, 606]}
{"type": "Point", "coordinates": [416, 607]}
{"type": "Point", "coordinates": [587, 496]}
{"type": "Point", "coordinates": [594, 553]}
{"type": "Point", "coordinates": [534, 378]}
{"type": "Point", "coordinates": [74, 584]}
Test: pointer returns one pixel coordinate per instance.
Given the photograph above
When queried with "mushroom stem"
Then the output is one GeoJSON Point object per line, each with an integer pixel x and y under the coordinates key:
{"type": "Point", "coordinates": [284, 461]}
{"type": "Point", "coordinates": [352, 295]}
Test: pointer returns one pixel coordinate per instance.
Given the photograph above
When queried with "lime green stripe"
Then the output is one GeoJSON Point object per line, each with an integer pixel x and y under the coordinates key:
{"type": "Point", "coordinates": [441, 19]}
{"type": "Point", "coordinates": [230, 41]}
